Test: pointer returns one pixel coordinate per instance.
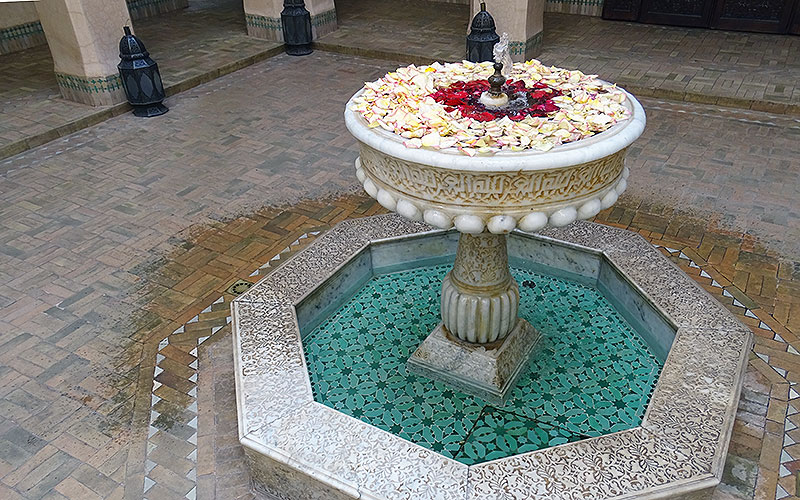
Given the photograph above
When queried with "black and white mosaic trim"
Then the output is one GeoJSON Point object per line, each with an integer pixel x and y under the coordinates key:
{"type": "Point", "coordinates": [168, 432]}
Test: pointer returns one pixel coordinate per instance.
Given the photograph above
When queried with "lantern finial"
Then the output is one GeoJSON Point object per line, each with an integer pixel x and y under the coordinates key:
{"type": "Point", "coordinates": [482, 37]}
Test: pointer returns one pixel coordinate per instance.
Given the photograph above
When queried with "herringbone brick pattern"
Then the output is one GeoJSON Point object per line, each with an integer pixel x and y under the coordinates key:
{"type": "Point", "coordinates": [176, 429]}
{"type": "Point", "coordinates": [190, 47]}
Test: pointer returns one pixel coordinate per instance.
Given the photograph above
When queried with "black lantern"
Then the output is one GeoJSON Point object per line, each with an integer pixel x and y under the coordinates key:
{"type": "Point", "coordinates": [140, 77]}
{"type": "Point", "coordinates": [296, 21]}
{"type": "Point", "coordinates": [482, 37]}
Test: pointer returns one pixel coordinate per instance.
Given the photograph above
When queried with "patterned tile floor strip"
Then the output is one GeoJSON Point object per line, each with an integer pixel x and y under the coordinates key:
{"type": "Point", "coordinates": [790, 447]}
{"type": "Point", "coordinates": [790, 451]}
{"type": "Point", "coordinates": [173, 430]}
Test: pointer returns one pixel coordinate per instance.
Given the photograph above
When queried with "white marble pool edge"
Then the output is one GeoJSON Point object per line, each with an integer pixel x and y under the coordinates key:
{"type": "Point", "coordinates": [295, 446]}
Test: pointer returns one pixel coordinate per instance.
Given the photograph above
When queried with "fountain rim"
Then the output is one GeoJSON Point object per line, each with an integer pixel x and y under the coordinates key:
{"type": "Point", "coordinates": [601, 145]}
{"type": "Point", "coordinates": [274, 397]}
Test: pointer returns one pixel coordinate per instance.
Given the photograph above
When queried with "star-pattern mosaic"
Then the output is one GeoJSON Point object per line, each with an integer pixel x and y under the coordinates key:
{"type": "Point", "coordinates": [590, 374]}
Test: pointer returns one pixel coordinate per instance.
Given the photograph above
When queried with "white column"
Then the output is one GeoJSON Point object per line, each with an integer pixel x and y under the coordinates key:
{"type": "Point", "coordinates": [264, 18]}
{"type": "Point", "coordinates": [521, 19]}
{"type": "Point", "coordinates": [479, 296]}
{"type": "Point", "coordinates": [83, 36]}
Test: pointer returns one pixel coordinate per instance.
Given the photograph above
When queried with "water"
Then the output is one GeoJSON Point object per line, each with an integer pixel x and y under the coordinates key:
{"type": "Point", "coordinates": [589, 375]}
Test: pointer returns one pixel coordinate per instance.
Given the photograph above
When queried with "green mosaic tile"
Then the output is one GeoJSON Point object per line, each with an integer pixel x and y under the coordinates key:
{"type": "Point", "coordinates": [591, 374]}
{"type": "Point", "coordinates": [269, 23]}
{"type": "Point", "coordinates": [21, 31]}
{"type": "Point", "coordinates": [499, 434]}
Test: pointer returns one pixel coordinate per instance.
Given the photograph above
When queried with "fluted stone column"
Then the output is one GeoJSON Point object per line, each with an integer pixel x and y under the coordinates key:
{"type": "Point", "coordinates": [83, 36]}
{"type": "Point", "coordinates": [481, 347]}
{"type": "Point", "coordinates": [479, 296]}
{"type": "Point", "coordinates": [522, 20]}
{"type": "Point", "coordinates": [264, 18]}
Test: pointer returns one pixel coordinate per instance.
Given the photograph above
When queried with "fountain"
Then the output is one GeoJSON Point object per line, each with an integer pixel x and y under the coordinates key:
{"type": "Point", "coordinates": [481, 346]}
{"type": "Point", "coordinates": [570, 360]}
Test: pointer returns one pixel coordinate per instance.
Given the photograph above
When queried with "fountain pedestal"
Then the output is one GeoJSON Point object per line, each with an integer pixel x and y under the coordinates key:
{"type": "Point", "coordinates": [481, 345]}
{"type": "Point", "coordinates": [479, 296]}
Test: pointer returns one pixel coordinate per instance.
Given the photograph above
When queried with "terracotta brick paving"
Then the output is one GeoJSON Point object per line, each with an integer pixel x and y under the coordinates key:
{"type": "Point", "coordinates": [107, 249]}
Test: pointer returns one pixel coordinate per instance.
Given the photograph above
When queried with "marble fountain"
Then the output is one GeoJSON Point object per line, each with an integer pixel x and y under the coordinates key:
{"type": "Point", "coordinates": [484, 342]}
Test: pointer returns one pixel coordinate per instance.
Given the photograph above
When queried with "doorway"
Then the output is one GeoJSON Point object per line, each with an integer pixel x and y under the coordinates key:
{"type": "Point", "coordinates": [765, 16]}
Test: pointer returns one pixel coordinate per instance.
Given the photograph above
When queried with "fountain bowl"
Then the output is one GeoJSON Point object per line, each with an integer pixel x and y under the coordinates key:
{"type": "Point", "coordinates": [495, 192]}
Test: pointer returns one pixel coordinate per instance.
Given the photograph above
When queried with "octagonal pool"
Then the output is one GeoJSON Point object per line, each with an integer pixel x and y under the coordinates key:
{"type": "Point", "coordinates": [590, 374]}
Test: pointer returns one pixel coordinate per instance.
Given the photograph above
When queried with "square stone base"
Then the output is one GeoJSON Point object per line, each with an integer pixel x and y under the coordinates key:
{"type": "Point", "coordinates": [487, 373]}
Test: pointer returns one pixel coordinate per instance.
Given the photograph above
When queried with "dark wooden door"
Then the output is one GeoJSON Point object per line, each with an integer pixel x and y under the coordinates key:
{"type": "Point", "coordinates": [621, 10]}
{"type": "Point", "coordinates": [769, 16]}
{"type": "Point", "coordinates": [795, 26]}
{"type": "Point", "coordinates": [677, 12]}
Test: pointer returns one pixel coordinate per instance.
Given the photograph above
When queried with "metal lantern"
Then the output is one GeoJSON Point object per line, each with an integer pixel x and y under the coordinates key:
{"type": "Point", "coordinates": [140, 77]}
{"type": "Point", "coordinates": [296, 21]}
{"type": "Point", "coordinates": [482, 37]}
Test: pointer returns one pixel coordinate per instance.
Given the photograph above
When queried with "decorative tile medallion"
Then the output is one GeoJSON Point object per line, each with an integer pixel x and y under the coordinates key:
{"type": "Point", "coordinates": [591, 374]}
{"type": "Point", "coordinates": [239, 287]}
{"type": "Point", "coordinates": [678, 448]}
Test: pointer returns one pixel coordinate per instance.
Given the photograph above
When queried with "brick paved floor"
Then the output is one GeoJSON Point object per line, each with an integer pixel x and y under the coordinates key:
{"type": "Point", "coordinates": [734, 69]}
{"type": "Point", "coordinates": [412, 30]}
{"type": "Point", "coordinates": [113, 259]}
{"type": "Point", "coordinates": [190, 47]}
{"type": "Point", "coordinates": [731, 68]}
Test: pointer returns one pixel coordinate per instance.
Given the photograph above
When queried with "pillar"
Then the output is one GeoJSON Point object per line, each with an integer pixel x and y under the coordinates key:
{"type": "Point", "coordinates": [264, 18]}
{"type": "Point", "coordinates": [479, 296]}
{"type": "Point", "coordinates": [521, 19]}
{"type": "Point", "coordinates": [482, 346]}
{"type": "Point", "coordinates": [83, 36]}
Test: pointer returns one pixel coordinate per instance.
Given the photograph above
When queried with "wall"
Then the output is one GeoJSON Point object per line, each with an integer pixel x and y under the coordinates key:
{"type": "Point", "coordinates": [584, 7]}
{"type": "Point", "coordinates": [263, 18]}
{"type": "Point", "coordinates": [145, 8]}
{"type": "Point", "coordinates": [522, 20]}
{"type": "Point", "coordinates": [19, 27]}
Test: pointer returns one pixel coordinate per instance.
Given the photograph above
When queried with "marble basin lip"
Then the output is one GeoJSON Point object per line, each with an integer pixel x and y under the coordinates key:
{"type": "Point", "coordinates": [606, 143]}
{"type": "Point", "coordinates": [293, 442]}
